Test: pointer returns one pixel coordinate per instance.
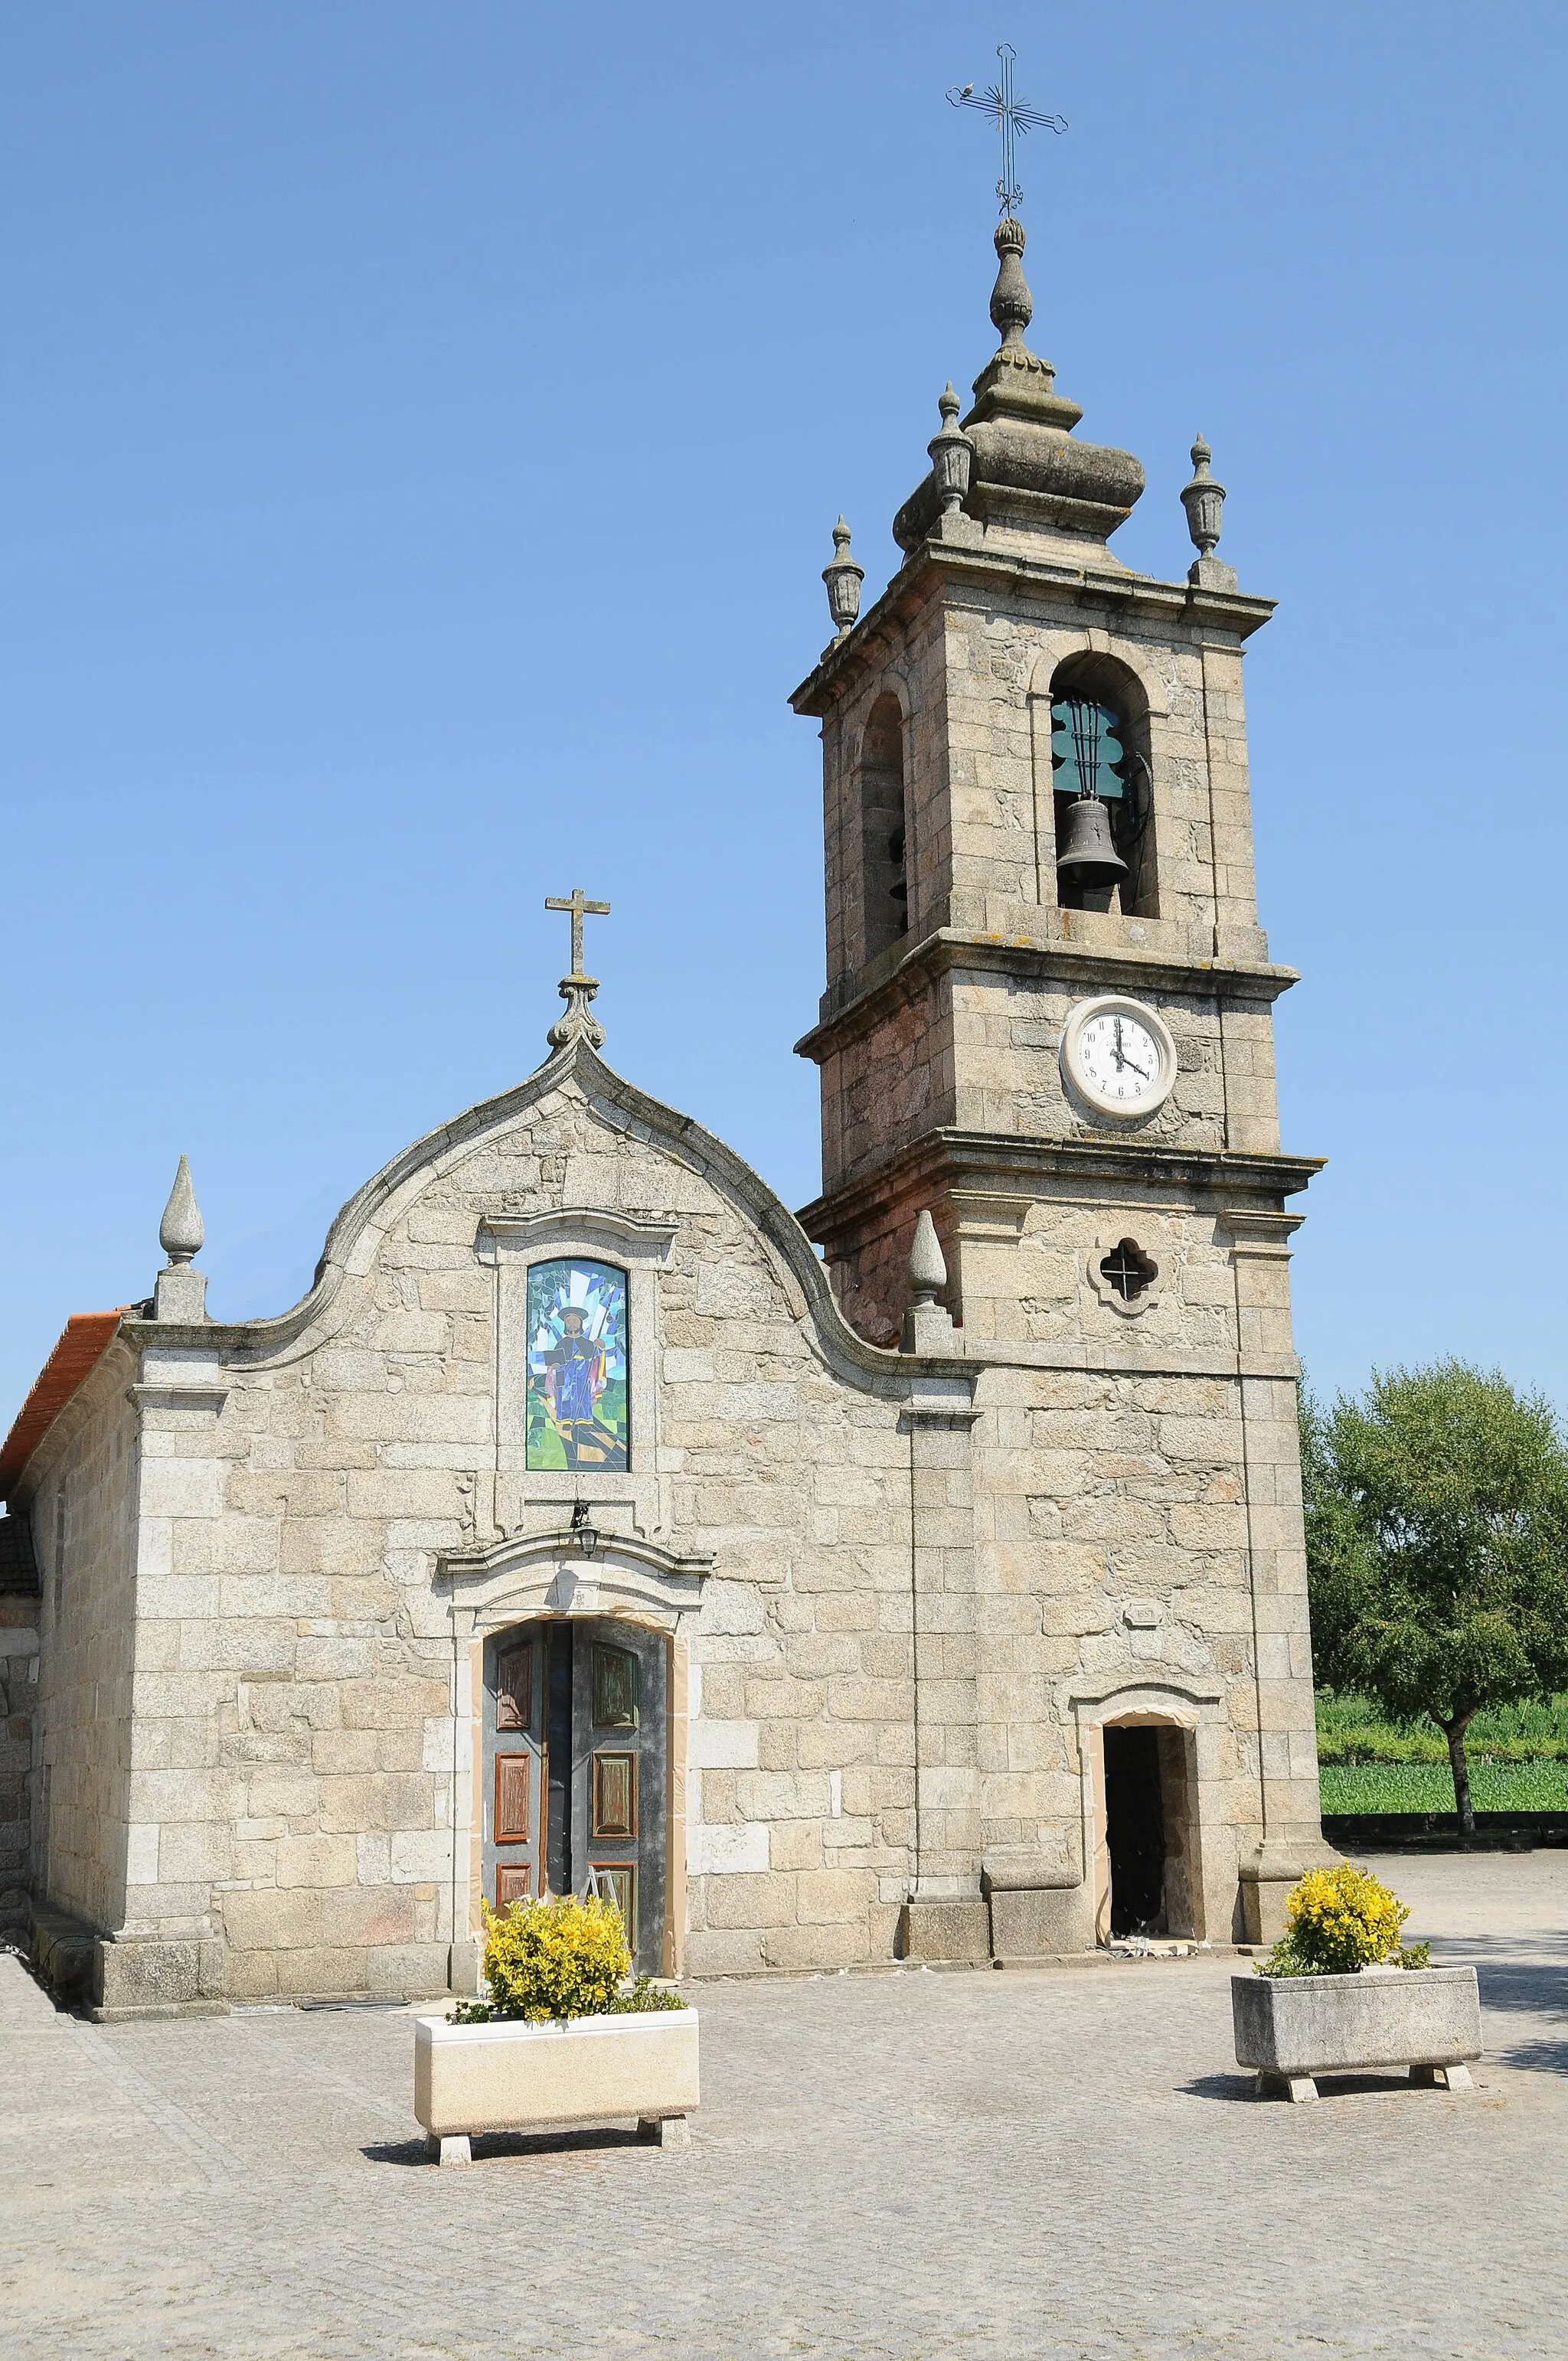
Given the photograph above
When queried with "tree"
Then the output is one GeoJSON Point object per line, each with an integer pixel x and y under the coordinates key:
{"type": "Point", "coordinates": [1437, 1548]}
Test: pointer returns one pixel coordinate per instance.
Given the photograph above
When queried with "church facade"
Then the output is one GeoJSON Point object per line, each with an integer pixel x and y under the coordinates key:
{"type": "Point", "coordinates": [938, 1595]}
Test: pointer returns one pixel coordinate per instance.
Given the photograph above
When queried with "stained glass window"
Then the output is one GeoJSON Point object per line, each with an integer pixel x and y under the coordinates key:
{"type": "Point", "coordinates": [578, 1398]}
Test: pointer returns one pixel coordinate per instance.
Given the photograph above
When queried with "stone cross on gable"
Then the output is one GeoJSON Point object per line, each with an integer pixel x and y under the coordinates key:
{"type": "Point", "coordinates": [580, 908]}
{"type": "Point", "coordinates": [578, 988]}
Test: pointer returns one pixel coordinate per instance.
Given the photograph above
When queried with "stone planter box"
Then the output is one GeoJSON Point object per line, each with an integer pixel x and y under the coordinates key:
{"type": "Point", "coordinates": [1293, 2028]}
{"type": "Point", "coordinates": [516, 2077]}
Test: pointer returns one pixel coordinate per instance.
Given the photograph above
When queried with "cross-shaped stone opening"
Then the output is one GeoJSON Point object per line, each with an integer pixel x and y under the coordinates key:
{"type": "Point", "coordinates": [1128, 1270]}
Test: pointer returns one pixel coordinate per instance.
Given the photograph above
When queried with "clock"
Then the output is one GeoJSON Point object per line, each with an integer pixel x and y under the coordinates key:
{"type": "Point", "coordinates": [1118, 1056]}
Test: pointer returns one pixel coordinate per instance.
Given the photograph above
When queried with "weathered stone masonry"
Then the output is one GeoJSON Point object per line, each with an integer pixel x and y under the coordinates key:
{"type": "Point", "coordinates": [915, 1570]}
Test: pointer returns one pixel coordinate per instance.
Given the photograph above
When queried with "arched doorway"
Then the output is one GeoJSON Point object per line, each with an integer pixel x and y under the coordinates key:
{"type": "Point", "coordinates": [575, 1724]}
{"type": "Point", "coordinates": [1147, 1858]}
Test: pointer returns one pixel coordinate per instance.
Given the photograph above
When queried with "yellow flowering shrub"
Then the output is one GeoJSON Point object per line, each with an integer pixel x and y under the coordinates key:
{"type": "Point", "coordinates": [562, 1957]}
{"type": "Point", "coordinates": [1340, 1920]}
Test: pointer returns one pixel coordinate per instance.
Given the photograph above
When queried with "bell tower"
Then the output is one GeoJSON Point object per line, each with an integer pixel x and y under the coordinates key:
{"type": "Point", "coordinates": [1049, 1012]}
{"type": "Point", "coordinates": [1049, 1026]}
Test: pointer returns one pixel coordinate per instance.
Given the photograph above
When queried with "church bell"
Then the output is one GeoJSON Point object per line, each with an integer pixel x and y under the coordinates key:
{"type": "Point", "coordinates": [1087, 853]}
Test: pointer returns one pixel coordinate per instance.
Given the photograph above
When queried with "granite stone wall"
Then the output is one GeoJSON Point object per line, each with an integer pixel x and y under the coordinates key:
{"type": "Point", "coordinates": [929, 1583]}
{"type": "Point", "coordinates": [84, 1514]}
{"type": "Point", "coordinates": [18, 1709]}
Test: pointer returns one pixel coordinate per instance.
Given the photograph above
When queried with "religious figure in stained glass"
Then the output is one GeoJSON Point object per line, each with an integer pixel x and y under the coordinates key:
{"type": "Point", "coordinates": [578, 1394]}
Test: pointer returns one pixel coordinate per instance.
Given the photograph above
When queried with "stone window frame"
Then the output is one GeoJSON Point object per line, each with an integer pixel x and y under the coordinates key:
{"type": "Point", "coordinates": [511, 1245]}
{"type": "Point", "coordinates": [866, 769]}
{"type": "Point", "coordinates": [892, 681]}
{"type": "Point", "coordinates": [1106, 1241]}
{"type": "Point", "coordinates": [1085, 650]}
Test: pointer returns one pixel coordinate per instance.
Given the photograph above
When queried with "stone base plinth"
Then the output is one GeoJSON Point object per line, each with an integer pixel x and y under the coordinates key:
{"type": "Point", "coordinates": [1039, 1906]}
{"type": "Point", "coordinates": [145, 1977]}
{"type": "Point", "coordinates": [63, 1950]}
{"type": "Point", "coordinates": [939, 1927]}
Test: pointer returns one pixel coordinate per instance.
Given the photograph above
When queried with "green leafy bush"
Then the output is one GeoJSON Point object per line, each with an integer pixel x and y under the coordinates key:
{"type": "Point", "coordinates": [1351, 1729]}
{"type": "Point", "coordinates": [561, 1958]}
{"type": "Point", "coordinates": [1341, 1920]}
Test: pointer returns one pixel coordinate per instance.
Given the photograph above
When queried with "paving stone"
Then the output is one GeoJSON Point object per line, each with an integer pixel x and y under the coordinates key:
{"type": "Point", "coordinates": [960, 2166]}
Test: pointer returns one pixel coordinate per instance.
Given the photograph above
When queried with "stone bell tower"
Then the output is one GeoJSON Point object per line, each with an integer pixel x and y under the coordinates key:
{"type": "Point", "coordinates": [1048, 1023]}
{"type": "Point", "coordinates": [962, 935]}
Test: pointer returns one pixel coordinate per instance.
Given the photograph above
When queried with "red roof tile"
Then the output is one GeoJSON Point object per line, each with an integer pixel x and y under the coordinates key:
{"type": "Point", "coordinates": [82, 1344]}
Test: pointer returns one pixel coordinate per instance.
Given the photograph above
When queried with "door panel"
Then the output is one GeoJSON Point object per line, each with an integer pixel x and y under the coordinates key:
{"type": "Point", "coordinates": [617, 1881]}
{"type": "Point", "coordinates": [514, 1767]}
{"type": "Point", "coordinates": [616, 1686]}
{"type": "Point", "coordinates": [614, 1797]}
{"type": "Point", "coordinates": [618, 1786]}
{"type": "Point", "coordinates": [574, 1769]}
{"type": "Point", "coordinates": [514, 1787]}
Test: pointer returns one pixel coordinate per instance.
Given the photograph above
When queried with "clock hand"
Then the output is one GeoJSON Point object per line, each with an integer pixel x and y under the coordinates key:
{"type": "Point", "coordinates": [1136, 1069]}
{"type": "Point", "coordinates": [1116, 1022]}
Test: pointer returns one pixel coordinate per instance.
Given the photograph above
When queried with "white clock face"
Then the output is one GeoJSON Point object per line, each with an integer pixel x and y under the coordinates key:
{"type": "Point", "coordinates": [1120, 1056]}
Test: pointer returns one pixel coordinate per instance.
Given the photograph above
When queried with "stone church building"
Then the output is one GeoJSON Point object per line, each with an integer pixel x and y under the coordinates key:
{"type": "Point", "coordinates": [917, 1575]}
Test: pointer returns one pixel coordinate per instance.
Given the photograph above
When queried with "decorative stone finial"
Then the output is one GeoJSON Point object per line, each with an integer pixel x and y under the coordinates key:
{"type": "Point", "coordinates": [952, 455]}
{"type": "Point", "coordinates": [843, 579]}
{"type": "Point", "coordinates": [926, 1328]}
{"type": "Point", "coordinates": [577, 988]}
{"type": "Point", "coordinates": [927, 1270]}
{"type": "Point", "coordinates": [179, 1293]}
{"type": "Point", "coordinates": [577, 1024]}
{"type": "Point", "coordinates": [1011, 305]}
{"type": "Point", "coordinates": [1203, 498]}
{"type": "Point", "coordinates": [182, 1233]}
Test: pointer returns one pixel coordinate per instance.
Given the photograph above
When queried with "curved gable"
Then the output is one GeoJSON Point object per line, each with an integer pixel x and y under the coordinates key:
{"type": "Point", "coordinates": [365, 1221]}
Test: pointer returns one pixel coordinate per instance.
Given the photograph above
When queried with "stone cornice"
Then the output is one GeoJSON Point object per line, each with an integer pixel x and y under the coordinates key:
{"type": "Point", "coordinates": [985, 571]}
{"type": "Point", "coordinates": [625, 1233]}
{"type": "Point", "coordinates": [953, 947]}
{"type": "Point", "coordinates": [942, 1158]}
{"type": "Point", "coordinates": [548, 1574]}
{"type": "Point", "coordinates": [1144, 1673]}
{"type": "Point", "coordinates": [564, 1542]}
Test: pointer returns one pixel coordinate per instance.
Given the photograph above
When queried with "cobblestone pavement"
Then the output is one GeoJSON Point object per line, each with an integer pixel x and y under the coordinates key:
{"type": "Point", "coordinates": [970, 2164]}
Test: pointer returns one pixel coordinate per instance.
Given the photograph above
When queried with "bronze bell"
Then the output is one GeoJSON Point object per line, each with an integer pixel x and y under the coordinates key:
{"type": "Point", "coordinates": [1087, 852]}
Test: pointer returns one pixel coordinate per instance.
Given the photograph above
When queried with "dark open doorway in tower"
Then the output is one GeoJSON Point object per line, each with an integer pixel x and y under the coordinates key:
{"type": "Point", "coordinates": [1135, 1831]}
{"type": "Point", "coordinates": [1150, 1878]}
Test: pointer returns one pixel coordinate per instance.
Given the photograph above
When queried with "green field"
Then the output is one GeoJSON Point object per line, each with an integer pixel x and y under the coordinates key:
{"type": "Point", "coordinates": [1518, 1759]}
{"type": "Point", "coordinates": [1427, 1786]}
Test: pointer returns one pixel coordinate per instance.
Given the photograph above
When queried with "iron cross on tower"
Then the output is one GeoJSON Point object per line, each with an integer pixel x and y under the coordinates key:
{"type": "Point", "coordinates": [1014, 115]}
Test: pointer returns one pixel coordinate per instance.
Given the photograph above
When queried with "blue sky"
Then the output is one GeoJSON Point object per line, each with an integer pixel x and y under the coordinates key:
{"type": "Point", "coordinates": [422, 428]}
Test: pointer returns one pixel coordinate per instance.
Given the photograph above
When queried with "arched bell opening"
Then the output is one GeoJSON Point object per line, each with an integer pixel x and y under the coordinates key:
{"type": "Point", "coordinates": [1102, 788]}
{"type": "Point", "coordinates": [885, 876]}
{"type": "Point", "coordinates": [1147, 1883]}
{"type": "Point", "coordinates": [573, 1768]}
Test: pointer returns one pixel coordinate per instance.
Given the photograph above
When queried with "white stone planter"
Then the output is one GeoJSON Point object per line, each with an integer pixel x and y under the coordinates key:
{"type": "Point", "coordinates": [515, 2077]}
{"type": "Point", "coordinates": [1293, 2028]}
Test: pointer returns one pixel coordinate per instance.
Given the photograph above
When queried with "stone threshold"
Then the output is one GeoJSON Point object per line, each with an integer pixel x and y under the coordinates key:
{"type": "Point", "coordinates": [1165, 1953]}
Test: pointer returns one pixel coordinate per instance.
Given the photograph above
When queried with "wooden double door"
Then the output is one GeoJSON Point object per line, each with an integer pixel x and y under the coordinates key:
{"type": "Point", "coordinates": [574, 1769]}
